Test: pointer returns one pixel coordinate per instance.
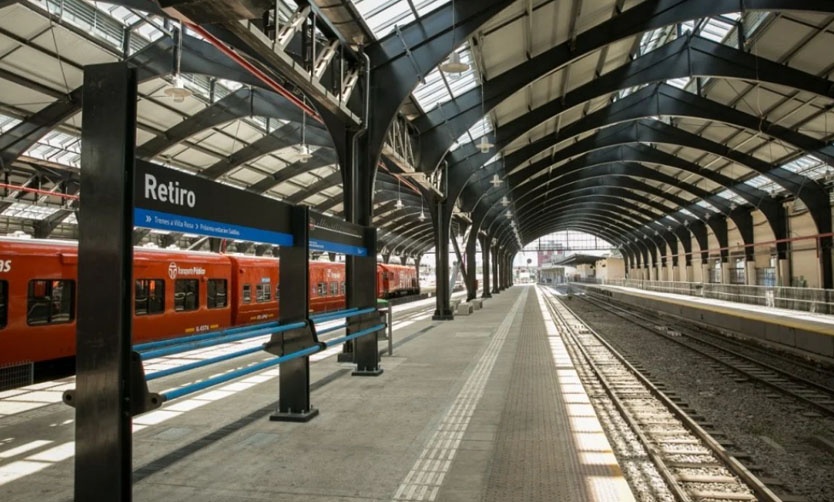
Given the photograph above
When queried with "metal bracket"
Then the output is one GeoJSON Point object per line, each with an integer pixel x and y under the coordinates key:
{"type": "Point", "coordinates": [141, 400]}
{"type": "Point", "coordinates": [292, 340]}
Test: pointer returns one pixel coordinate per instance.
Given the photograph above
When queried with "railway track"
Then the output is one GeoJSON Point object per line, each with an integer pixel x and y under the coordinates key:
{"type": "Point", "coordinates": [694, 465]}
{"type": "Point", "coordinates": [801, 389]}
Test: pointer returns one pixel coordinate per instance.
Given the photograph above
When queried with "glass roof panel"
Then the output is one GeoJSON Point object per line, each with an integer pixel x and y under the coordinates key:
{"type": "Point", "coordinates": [382, 16]}
{"type": "Point", "coordinates": [28, 211]}
{"type": "Point", "coordinates": [440, 87]}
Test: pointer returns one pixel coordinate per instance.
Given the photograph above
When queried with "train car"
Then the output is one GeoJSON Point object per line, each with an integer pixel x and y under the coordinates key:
{"type": "Point", "coordinates": [176, 293]}
{"type": "Point", "coordinates": [37, 300]}
{"type": "Point", "coordinates": [327, 286]}
{"type": "Point", "coordinates": [394, 281]}
{"type": "Point", "coordinates": [255, 291]}
{"type": "Point", "coordinates": [179, 293]}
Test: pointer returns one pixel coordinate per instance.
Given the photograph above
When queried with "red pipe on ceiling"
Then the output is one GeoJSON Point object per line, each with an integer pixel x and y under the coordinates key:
{"type": "Point", "coordinates": [39, 191]}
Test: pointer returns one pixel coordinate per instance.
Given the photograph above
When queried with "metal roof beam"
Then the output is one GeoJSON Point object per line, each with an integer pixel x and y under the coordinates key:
{"type": "Point", "coordinates": [443, 123]}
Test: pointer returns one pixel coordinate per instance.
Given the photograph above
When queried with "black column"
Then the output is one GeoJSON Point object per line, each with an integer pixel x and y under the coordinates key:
{"type": "Point", "coordinates": [366, 348]}
{"type": "Point", "coordinates": [294, 379]}
{"type": "Point", "coordinates": [103, 452]}
{"type": "Point", "coordinates": [471, 282]}
{"type": "Point", "coordinates": [495, 285]}
{"type": "Point", "coordinates": [485, 257]}
{"type": "Point", "coordinates": [442, 222]}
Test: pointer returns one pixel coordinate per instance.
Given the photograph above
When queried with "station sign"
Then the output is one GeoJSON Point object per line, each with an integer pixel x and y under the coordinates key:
{"type": "Point", "coordinates": [333, 235]}
{"type": "Point", "coordinates": [167, 199]}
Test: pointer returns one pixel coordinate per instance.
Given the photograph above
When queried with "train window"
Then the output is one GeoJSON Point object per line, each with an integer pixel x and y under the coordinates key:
{"type": "Point", "coordinates": [278, 292]}
{"type": "Point", "coordinates": [4, 294]}
{"type": "Point", "coordinates": [342, 287]}
{"type": "Point", "coordinates": [322, 289]}
{"type": "Point", "coordinates": [216, 293]}
{"type": "Point", "coordinates": [334, 289]}
{"type": "Point", "coordinates": [247, 293]}
{"type": "Point", "coordinates": [186, 295]}
{"type": "Point", "coordinates": [263, 292]}
{"type": "Point", "coordinates": [150, 296]}
{"type": "Point", "coordinates": [50, 302]}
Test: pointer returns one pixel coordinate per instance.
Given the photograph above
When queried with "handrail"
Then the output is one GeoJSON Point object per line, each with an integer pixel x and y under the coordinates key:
{"type": "Point", "coordinates": [366, 331]}
{"type": "Point", "coordinates": [210, 382]}
{"type": "Point", "coordinates": [144, 347]}
{"type": "Point", "coordinates": [200, 364]}
{"type": "Point", "coordinates": [341, 314]}
{"type": "Point", "coordinates": [185, 347]}
{"type": "Point", "coordinates": [198, 386]}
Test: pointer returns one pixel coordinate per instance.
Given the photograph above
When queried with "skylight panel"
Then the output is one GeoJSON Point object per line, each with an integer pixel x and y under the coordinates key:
{"type": "Point", "coordinates": [716, 30]}
{"type": "Point", "coordinates": [758, 181]}
{"type": "Point", "coordinates": [707, 205]}
{"type": "Point", "coordinates": [441, 87]}
{"type": "Point", "coordinates": [7, 123]}
{"type": "Point", "coordinates": [732, 196]}
{"type": "Point", "coordinates": [382, 16]}
{"type": "Point", "coordinates": [802, 164]}
{"type": "Point", "coordinates": [680, 83]}
{"type": "Point", "coordinates": [28, 211]}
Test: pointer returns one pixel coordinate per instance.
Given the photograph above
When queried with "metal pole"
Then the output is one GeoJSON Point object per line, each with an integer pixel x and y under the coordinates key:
{"type": "Point", "coordinates": [103, 452]}
{"type": "Point", "coordinates": [389, 317]}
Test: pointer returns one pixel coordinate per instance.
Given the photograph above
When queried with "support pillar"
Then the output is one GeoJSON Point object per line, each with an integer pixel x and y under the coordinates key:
{"type": "Point", "coordinates": [784, 271]}
{"type": "Point", "coordinates": [487, 287]}
{"type": "Point", "coordinates": [495, 285]}
{"type": "Point", "coordinates": [104, 387]}
{"type": "Point", "coordinates": [366, 347]}
{"type": "Point", "coordinates": [294, 377]}
{"type": "Point", "coordinates": [442, 223]}
{"type": "Point", "coordinates": [470, 252]}
{"type": "Point", "coordinates": [750, 272]}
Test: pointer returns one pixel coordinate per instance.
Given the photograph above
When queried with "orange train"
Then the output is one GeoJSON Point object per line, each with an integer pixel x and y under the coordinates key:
{"type": "Point", "coordinates": [176, 293]}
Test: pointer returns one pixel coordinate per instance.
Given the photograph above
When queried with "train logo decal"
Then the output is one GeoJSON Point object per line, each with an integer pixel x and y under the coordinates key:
{"type": "Point", "coordinates": [5, 265]}
{"type": "Point", "coordinates": [174, 270]}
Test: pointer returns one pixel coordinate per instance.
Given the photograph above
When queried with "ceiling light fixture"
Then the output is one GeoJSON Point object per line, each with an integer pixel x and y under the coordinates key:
{"type": "Point", "coordinates": [422, 216]}
{"type": "Point", "coordinates": [178, 90]}
{"type": "Point", "coordinates": [505, 201]}
{"type": "Point", "coordinates": [304, 153]}
{"type": "Point", "coordinates": [399, 204]}
{"type": "Point", "coordinates": [453, 65]}
{"type": "Point", "coordinates": [495, 181]}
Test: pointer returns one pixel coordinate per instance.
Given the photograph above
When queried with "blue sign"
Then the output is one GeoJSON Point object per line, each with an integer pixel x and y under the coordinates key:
{"type": "Point", "coordinates": [188, 224]}
{"type": "Point", "coordinates": [334, 247]}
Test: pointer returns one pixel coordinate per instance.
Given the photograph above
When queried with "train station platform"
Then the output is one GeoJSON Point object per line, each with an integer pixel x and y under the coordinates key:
{"type": "Point", "coordinates": [486, 407]}
{"type": "Point", "coordinates": [805, 333]}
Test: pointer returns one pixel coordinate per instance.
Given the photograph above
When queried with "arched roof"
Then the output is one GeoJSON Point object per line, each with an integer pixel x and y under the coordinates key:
{"type": "Point", "coordinates": [673, 110]}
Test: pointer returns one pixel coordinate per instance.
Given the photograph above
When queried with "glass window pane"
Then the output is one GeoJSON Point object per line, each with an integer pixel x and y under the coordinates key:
{"type": "Point", "coordinates": [186, 295]}
{"type": "Point", "coordinates": [216, 293]}
{"type": "Point", "coordinates": [50, 302]}
{"type": "Point", "coordinates": [4, 294]}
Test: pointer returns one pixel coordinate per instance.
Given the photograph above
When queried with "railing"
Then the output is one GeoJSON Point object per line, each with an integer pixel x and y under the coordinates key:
{"type": "Point", "coordinates": [804, 299]}
{"type": "Point", "coordinates": [155, 349]}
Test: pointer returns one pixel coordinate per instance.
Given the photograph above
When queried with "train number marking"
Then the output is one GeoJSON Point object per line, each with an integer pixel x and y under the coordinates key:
{"type": "Point", "coordinates": [5, 265]}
